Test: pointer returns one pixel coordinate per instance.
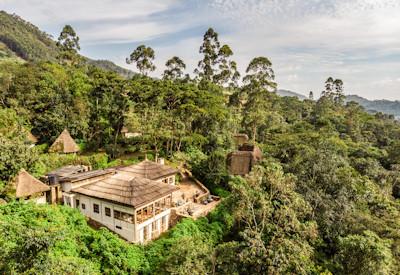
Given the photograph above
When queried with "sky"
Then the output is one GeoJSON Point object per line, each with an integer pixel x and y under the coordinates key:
{"type": "Point", "coordinates": [307, 41]}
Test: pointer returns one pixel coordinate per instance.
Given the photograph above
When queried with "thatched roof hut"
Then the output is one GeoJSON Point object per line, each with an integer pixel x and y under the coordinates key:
{"type": "Point", "coordinates": [149, 170]}
{"type": "Point", "coordinates": [127, 190]}
{"type": "Point", "coordinates": [240, 162]}
{"type": "Point", "coordinates": [31, 138]}
{"type": "Point", "coordinates": [26, 185]}
{"type": "Point", "coordinates": [64, 144]}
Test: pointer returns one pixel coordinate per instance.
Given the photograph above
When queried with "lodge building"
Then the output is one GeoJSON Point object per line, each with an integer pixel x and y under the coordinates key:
{"type": "Point", "coordinates": [133, 201]}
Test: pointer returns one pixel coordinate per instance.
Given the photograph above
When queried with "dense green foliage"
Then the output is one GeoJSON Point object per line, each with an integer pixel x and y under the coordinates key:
{"type": "Point", "coordinates": [325, 199]}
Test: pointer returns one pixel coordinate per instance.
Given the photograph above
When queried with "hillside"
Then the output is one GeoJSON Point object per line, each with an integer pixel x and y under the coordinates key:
{"type": "Point", "coordinates": [22, 39]}
{"type": "Point", "coordinates": [372, 106]}
{"type": "Point", "coordinates": [281, 92]}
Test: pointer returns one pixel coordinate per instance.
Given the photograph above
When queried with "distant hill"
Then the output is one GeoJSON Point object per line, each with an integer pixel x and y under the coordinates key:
{"type": "Point", "coordinates": [290, 93]}
{"type": "Point", "coordinates": [23, 40]}
{"type": "Point", "coordinates": [373, 106]}
{"type": "Point", "coordinates": [110, 66]}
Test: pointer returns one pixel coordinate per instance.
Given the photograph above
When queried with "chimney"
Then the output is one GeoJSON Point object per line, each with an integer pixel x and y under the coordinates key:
{"type": "Point", "coordinates": [160, 161]}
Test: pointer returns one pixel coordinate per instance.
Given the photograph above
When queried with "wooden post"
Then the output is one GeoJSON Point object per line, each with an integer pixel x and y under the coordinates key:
{"type": "Point", "coordinates": [135, 218]}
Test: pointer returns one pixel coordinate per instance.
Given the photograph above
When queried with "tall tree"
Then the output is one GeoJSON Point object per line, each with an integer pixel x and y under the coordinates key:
{"type": "Point", "coordinates": [333, 90]}
{"type": "Point", "coordinates": [227, 74]}
{"type": "Point", "coordinates": [68, 44]}
{"type": "Point", "coordinates": [143, 57]}
{"type": "Point", "coordinates": [338, 90]}
{"type": "Point", "coordinates": [216, 65]}
{"type": "Point", "coordinates": [260, 74]}
{"type": "Point", "coordinates": [175, 67]}
{"type": "Point", "coordinates": [258, 83]}
{"type": "Point", "coordinates": [311, 95]}
{"type": "Point", "coordinates": [209, 49]}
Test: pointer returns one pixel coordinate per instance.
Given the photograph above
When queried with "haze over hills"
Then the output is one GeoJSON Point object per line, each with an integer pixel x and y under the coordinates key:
{"type": "Point", "coordinates": [372, 106]}
{"type": "Point", "coordinates": [19, 39]}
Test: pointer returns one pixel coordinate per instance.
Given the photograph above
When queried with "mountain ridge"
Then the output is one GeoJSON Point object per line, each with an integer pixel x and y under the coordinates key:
{"type": "Point", "coordinates": [390, 107]}
{"type": "Point", "coordinates": [21, 40]}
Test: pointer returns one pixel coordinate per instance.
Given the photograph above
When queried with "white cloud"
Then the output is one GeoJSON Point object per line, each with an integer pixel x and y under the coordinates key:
{"type": "Point", "coordinates": [307, 41]}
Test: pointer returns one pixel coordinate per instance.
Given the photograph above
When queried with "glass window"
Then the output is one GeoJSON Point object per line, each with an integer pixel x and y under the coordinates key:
{"type": "Point", "coordinates": [107, 211]}
{"type": "Point", "coordinates": [123, 216]}
{"type": "Point", "coordinates": [96, 208]}
{"type": "Point", "coordinates": [117, 214]}
{"type": "Point", "coordinates": [83, 206]}
{"type": "Point", "coordinates": [77, 203]}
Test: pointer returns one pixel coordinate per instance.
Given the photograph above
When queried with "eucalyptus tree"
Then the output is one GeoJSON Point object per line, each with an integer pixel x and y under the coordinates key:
{"type": "Point", "coordinates": [216, 65]}
{"type": "Point", "coordinates": [209, 49]}
{"type": "Point", "coordinates": [227, 74]}
{"type": "Point", "coordinates": [143, 57]}
{"type": "Point", "coordinates": [175, 67]}
{"type": "Point", "coordinates": [68, 45]}
{"type": "Point", "coordinates": [258, 83]}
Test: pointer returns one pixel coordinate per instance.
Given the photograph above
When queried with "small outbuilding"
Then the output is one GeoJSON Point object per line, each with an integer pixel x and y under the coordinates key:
{"type": "Point", "coordinates": [64, 144]}
{"type": "Point", "coordinates": [28, 187]}
{"type": "Point", "coordinates": [241, 161]}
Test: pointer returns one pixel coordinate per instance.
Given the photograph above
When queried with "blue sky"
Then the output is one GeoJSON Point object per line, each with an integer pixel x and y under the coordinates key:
{"type": "Point", "coordinates": [307, 41]}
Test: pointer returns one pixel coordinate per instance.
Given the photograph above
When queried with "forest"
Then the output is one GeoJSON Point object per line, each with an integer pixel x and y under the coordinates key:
{"type": "Point", "coordinates": [324, 200]}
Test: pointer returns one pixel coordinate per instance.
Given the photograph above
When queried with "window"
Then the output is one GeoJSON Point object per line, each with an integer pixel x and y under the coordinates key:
{"type": "Point", "coordinates": [96, 208]}
{"type": "Point", "coordinates": [118, 227]}
{"type": "Point", "coordinates": [123, 216]}
{"type": "Point", "coordinates": [77, 203]}
{"type": "Point", "coordinates": [107, 211]}
{"type": "Point", "coordinates": [165, 180]}
{"type": "Point", "coordinates": [83, 206]}
{"type": "Point", "coordinates": [117, 214]}
{"type": "Point", "coordinates": [171, 180]}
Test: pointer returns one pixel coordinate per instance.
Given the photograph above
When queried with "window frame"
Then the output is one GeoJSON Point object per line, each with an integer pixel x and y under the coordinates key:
{"type": "Point", "coordinates": [107, 211]}
{"type": "Point", "coordinates": [96, 208]}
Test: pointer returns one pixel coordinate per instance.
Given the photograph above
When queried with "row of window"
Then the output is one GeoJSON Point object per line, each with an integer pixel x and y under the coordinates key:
{"type": "Point", "coordinates": [107, 211]}
{"type": "Point", "coordinates": [168, 180]}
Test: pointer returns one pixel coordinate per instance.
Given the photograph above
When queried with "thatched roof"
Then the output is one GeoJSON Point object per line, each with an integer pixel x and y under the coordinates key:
{"type": "Point", "coordinates": [149, 170]}
{"type": "Point", "coordinates": [127, 190]}
{"type": "Point", "coordinates": [26, 185]}
{"type": "Point", "coordinates": [240, 162]}
{"type": "Point", "coordinates": [30, 137]}
{"type": "Point", "coordinates": [64, 144]}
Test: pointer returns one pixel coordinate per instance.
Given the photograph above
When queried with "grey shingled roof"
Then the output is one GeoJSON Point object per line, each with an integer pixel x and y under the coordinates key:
{"type": "Point", "coordinates": [128, 190]}
{"type": "Point", "coordinates": [149, 170]}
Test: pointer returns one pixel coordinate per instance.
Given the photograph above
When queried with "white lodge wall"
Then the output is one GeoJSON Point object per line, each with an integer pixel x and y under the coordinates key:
{"type": "Point", "coordinates": [87, 207]}
{"type": "Point", "coordinates": [138, 233]}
